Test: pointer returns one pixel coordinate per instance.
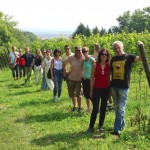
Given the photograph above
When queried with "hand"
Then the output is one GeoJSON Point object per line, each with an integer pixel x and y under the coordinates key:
{"type": "Point", "coordinates": [140, 43]}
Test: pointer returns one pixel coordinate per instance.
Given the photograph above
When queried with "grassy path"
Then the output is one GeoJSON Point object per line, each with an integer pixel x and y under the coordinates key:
{"type": "Point", "coordinates": [30, 120]}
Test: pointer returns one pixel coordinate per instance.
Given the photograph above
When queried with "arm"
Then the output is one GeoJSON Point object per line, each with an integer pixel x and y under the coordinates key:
{"type": "Point", "coordinates": [92, 79]}
{"type": "Point", "coordinates": [51, 67]}
{"type": "Point", "coordinates": [138, 58]}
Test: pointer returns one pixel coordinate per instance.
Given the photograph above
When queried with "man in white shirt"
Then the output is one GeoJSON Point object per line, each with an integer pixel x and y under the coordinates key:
{"type": "Point", "coordinates": [13, 55]}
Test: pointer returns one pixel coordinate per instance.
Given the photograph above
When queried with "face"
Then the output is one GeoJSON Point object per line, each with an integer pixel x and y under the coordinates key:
{"type": "Point", "coordinates": [78, 52]}
{"type": "Point", "coordinates": [85, 53]}
{"type": "Point", "coordinates": [58, 54]}
{"type": "Point", "coordinates": [104, 56]}
{"type": "Point", "coordinates": [118, 49]}
{"type": "Point", "coordinates": [67, 49]}
{"type": "Point", "coordinates": [47, 53]}
{"type": "Point", "coordinates": [13, 48]}
{"type": "Point", "coordinates": [27, 50]}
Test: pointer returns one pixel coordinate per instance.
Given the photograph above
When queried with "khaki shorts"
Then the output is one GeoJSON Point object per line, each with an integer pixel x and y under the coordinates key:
{"type": "Point", "coordinates": [74, 88]}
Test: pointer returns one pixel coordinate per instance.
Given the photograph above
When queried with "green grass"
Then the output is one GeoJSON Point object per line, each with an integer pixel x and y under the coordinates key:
{"type": "Point", "coordinates": [30, 120]}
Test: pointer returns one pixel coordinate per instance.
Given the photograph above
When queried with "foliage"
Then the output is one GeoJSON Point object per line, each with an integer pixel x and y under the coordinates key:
{"type": "Point", "coordinates": [138, 21]}
{"type": "Point", "coordinates": [11, 35]}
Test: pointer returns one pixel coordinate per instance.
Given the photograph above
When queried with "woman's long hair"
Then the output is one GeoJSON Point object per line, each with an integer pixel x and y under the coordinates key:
{"type": "Point", "coordinates": [100, 53]}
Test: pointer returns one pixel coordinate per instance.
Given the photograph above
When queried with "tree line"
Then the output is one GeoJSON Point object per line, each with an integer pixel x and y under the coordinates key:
{"type": "Point", "coordinates": [138, 21]}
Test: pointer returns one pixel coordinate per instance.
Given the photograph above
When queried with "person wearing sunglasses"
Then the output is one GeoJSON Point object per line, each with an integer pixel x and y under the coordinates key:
{"type": "Point", "coordinates": [99, 89]}
{"type": "Point", "coordinates": [64, 57]}
{"type": "Point", "coordinates": [75, 77]}
{"type": "Point", "coordinates": [87, 70]}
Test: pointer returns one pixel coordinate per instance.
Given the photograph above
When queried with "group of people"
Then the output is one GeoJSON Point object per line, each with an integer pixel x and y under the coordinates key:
{"type": "Point", "coordinates": [96, 76]}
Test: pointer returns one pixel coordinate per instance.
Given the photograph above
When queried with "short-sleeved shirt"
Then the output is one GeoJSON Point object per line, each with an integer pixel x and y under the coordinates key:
{"type": "Point", "coordinates": [87, 68]}
{"type": "Point", "coordinates": [121, 69]}
{"type": "Point", "coordinates": [28, 59]}
{"type": "Point", "coordinates": [64, 57]}
{"type": "Point", "coordinates": [76, 68]}
{"type": "Point", "coordinates": [13, 57]}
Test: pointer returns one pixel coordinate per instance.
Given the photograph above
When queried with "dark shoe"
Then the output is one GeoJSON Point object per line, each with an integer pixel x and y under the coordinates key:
{"type": "Point", "coordinates": [79, 109]}
{"type": "Point", "coordinates": [116, 133]}
{"type": "Point", "coordinates": [89, 130]}
{"type": "Point", "coordinates": [74, 109]}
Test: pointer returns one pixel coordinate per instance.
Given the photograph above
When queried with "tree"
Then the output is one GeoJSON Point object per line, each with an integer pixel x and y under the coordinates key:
{"type": "Point", "coordinates": [81, 29]}
{"type": "Point", "coordinates": [88, 31]}
{"type": "Point", "coordinates": [138, 21]}
{"type": "Point", "coordinates": [95, 30]}
{"type": "Point", "coordinates": [102, 31]}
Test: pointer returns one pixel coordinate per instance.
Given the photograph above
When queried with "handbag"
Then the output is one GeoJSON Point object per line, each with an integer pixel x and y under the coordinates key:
{"type": "Point", "coordinates": [11, 65]}
{"type": "Point", "coordinates": [49, 74]}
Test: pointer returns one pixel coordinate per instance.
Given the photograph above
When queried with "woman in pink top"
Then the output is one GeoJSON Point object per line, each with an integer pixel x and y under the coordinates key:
{"type": "Point", "coordinates": [99, 85]}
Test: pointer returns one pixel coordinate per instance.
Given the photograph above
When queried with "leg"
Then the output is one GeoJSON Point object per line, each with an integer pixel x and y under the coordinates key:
{"type": "Point", "coordinates": [104, 99]}
{"type": "Point", "coordinates": [119, 98]}
{"type": "Point", "coordinates": [96, 98]}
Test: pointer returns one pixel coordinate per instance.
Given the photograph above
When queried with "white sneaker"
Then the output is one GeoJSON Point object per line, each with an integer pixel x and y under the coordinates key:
{"type": "Point", "coordinates": [101, 129]}
{"type": "Point", "coordinates": [58, 99]}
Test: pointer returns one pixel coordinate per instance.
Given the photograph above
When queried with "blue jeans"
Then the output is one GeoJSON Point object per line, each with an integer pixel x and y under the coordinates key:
{"type": "Point", "coordinates": [120, 98]}
{"type": "Point", "coordinates": [58, 78]}
{"type": "Point", "coordinates": [44, 84]}
{"type": "Point", "coordinates": [15, 71]}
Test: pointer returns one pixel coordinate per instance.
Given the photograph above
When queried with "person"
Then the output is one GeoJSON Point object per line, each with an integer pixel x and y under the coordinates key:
{"type": "Point", "coordinates": [96, 51]}
{"type": "Point", "coordinates": [46, 66]}
{"type": "Point", "coordinates": [87, 70]}
{"type": "Point", "coordinates": [44, 84]}
{"type": "Point", "coordinates": [75, 77]}
{"type": "Point", "coordinates": [57, 74]}
{"type": "Point", "coordinates": [21, 63]}
{"type": "Point", "coordinates": [38, 65]}
{"type": "Point", "coordinates": [64, 57]}
{"type": "Point", "coordinates": [13, 55]}
{"type": "Point", "coordinates": [29, 57]}
{"type": "Point", "coordinates": [120, 66]}
{"type": "Point", "coordinates": [99, 89]}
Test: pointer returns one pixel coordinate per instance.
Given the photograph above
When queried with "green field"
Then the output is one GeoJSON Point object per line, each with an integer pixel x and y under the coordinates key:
{"type": "Point", "coordinates": [30, 120]}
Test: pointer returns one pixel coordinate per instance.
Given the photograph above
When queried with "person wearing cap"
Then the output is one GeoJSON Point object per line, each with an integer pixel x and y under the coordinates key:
{"type": "Point", "coordinates": [75, 77]}
{"type": "Point", "coordinates": [57, 74]}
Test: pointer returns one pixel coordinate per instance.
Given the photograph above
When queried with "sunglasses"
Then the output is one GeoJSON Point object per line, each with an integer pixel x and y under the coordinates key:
{"type": "Point", "coordinates": [84, 51]}
{"type": "Point", "coordinates": [104, 54]}
{"type": "Point", "coordinates": [77, 50]}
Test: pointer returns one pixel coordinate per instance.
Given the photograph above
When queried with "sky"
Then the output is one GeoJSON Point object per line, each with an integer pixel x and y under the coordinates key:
{"type": "Point", "coordinates": [66, 15]}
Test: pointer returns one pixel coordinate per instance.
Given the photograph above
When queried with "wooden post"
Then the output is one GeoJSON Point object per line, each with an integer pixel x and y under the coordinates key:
{"type": "Point", "coordinates": [145, 62]}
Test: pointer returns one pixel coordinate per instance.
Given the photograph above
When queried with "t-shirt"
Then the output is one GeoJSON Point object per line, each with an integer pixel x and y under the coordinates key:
{"type": "Point", "coordinates": [75, 67]}
{"type": "Point", "coordinates": [28, 59]}
{"type": "Point", "coordinates": [101, 76]}
{"type": "Point", "coordinates": [121, 70]}
{"type": "Point", "coordinates": [13, 57]}
{"type": "Point", "coordinates": [64, 57]}
{"type": "Point", "coordinates": [87, 68]}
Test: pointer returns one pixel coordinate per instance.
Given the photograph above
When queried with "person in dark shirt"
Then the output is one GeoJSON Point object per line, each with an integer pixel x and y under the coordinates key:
{"type": "Point", "coordinates": [38, 65]}
{"type": "Point", "coordinates": [120, 67]}
{"type": "Point", "coordinates": [28, 57]}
